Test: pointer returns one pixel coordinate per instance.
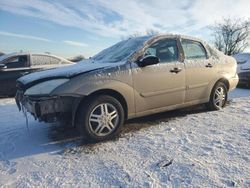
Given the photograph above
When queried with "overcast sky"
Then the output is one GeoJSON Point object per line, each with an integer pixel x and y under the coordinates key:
{"type": "Point", "coordinates": [72, 27]}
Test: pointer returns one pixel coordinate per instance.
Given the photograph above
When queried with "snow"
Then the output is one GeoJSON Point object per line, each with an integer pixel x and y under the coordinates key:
{"type": "Point", "coordinates": [182, 148]}
{"type": "Point", "coordinates": [68, 71]}
{"type": "Point", "coordinates": [123, 50]}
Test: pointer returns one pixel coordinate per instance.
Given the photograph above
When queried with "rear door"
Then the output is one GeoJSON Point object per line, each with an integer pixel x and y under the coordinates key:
{"type": "Point", "coordinates": [200, 70]}
{"type": "Point", "coordinates": [163, 84]}
{"type": "Point", "coordinates": [16, 67]}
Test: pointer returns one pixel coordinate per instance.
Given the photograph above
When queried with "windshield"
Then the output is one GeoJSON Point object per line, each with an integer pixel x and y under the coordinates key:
{"type": "Point", "coordinates": [122, 50]}
{"type": "Point", "coordinates": [6, 56]}
{"type": "Point", "coordinates": [3, 57]}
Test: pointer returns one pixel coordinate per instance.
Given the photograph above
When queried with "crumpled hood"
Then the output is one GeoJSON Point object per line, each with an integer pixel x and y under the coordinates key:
{"type": "Point", "coordinates": [65, 72]}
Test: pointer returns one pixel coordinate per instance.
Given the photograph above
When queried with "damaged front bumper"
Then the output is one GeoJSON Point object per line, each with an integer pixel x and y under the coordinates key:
{"type": "Point", "coordinates": [48, 108]}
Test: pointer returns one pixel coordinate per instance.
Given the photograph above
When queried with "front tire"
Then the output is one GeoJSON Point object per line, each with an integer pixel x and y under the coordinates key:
{"type": "Point", "coordinates": [100, 118]}
{"type": "Point", "coordinates": [218, 97]}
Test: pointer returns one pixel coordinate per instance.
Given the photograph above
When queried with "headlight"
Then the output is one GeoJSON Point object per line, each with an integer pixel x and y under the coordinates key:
{"type": "Point", "coordinates": [45, 87]}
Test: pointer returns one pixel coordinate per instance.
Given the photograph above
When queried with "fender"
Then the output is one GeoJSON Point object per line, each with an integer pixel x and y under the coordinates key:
{"type": "Point", "coordinates": [225, 78]}
{"type": "Point", "coordinates": [124, 89]}
{"type": "Point", "coordinates": [85, 85]}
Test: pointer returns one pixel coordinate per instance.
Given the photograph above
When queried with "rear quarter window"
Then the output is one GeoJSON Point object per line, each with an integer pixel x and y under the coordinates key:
{"type": "Point", "coordinates": [54, 61]}
{"type": "Point", "coordinates": [213, 52]}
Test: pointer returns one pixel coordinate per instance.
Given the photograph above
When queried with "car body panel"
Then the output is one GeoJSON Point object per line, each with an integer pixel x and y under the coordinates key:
{"type": "Point", "coordinates": [8, 79]}
{"type": "Point", "coordinates": [9, 75]}
{"type": "Point", "coordinates": [156, 87]}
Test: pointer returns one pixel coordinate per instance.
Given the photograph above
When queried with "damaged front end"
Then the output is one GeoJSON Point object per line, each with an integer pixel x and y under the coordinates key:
{"type": "Point", "coordinates": [48, 108]}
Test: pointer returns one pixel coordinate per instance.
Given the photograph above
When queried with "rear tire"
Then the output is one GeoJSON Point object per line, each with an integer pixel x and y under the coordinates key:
{"type": "Point", "coordinates": [218, 97]}
{"type": "Point", "coordinates": [100, 118]}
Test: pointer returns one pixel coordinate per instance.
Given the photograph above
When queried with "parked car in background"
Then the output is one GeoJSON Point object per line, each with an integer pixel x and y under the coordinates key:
{"type": "Point", "coordinates": [15, 65]}
{"type": "Point", "coordinates": [133, 78]}
{"type": "Point", "coordinates": [243, 68]}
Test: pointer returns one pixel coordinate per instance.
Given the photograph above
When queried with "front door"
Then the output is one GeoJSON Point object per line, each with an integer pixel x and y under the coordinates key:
{"type": "Point", "coordinates": [163, 84]}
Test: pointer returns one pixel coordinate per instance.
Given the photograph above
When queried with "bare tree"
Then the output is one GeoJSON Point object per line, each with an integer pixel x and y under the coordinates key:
{"type": "Point", "coordinates": [136, 34]}
{"type": "Point", "coordinates": [231, 35]}
{"type": "Point", "coordinates": [152, 32]}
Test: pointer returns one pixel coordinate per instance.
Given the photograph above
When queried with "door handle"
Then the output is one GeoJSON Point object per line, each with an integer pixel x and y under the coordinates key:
{"type": "Point", "coordinates": [176, 70]}
{"type": "Point", "coordinates": [209, 65]}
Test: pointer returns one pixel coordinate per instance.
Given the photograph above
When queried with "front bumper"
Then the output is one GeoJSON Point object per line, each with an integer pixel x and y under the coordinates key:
{"type": "Point", "coordinates": [46, 108]}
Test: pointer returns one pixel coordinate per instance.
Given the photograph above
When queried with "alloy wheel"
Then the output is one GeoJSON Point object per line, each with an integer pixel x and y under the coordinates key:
{"type": "Point", "coordinates": [219, 97]}
{"type": "Point", "coordinates": [103, 119]}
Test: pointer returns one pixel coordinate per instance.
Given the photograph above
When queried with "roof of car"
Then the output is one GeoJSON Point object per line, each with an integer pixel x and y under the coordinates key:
{"type": "Point", "coordinates": [158, 36]}
{"type": "Point", "coordinates": [28, 53]}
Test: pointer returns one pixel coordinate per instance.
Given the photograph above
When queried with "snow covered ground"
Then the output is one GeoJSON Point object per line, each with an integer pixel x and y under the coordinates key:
{"type": "Point", "coordinates": [183, 148]}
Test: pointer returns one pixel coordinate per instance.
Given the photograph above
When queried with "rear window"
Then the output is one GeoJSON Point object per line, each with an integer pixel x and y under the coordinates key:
{"type": "Point", "coordinates": [44, 60]}
{"type": "Point", "coordinates": [193, 50]}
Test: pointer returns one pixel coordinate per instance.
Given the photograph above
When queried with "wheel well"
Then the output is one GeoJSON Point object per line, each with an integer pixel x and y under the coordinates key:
{"type": "Point", "coordinates": [109, 92]}
{"type": "Point", "coordinates": [225, 81]}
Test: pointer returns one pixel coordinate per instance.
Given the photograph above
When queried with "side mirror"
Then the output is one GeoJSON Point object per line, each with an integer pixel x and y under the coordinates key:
{"type": "Point", "coordinates": [2, 66]}
{"type": "Point", "coordinates": [148, 60]}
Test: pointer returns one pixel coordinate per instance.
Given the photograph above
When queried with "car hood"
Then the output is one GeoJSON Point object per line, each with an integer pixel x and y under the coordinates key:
{"type": "Point", "coordinates": [65, 72]}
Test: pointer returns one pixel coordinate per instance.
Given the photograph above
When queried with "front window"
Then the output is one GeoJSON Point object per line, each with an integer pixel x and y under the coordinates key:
{"type": "Point", "coordinates": [16, 62]}
{"type": "Point", "coordinates": [166, 50]}
{"type": "Point", "coordinates": [122, 50]}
